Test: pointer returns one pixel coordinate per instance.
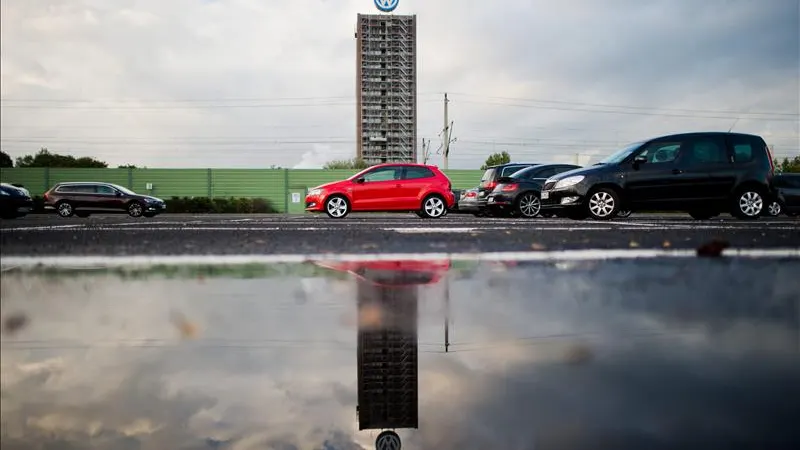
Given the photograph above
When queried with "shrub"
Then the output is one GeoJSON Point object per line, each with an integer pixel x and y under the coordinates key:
{"type": "Point", "coordinates": [205, 205]}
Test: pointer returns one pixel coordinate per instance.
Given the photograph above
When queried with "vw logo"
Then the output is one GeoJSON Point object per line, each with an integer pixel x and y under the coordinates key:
{"type": "Point", "coordinates": [387, 440]}
{"type": "Point", "coordinates": [386, 5]}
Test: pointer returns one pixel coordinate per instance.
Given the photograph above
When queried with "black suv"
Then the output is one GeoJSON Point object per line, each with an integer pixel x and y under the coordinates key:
{"type": "Point", "coordinates": [84, 198]}
{"type": "Point", "coordinates": [489, 181]}
{"type": "Point", "coordinates": [704, 173]}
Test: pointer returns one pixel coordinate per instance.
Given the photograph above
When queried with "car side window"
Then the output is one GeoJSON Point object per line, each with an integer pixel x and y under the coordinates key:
{"type": "Point", "coordinates": [384, 174]}
{"type": "Point", "coordinates": [744, 148]}
{"type": "Point", "coordinates": [415, 173]}
{"type": "Point", "coordinates": [660, 152]}
{"type": "Point", "coordinates": [507, 171]}
{"type": "Point", "coordinates": [702, 151]}
{"type": "Point", "coordinates": [105, 190]}
{"type": "Point", "coordinates": [543, 173]}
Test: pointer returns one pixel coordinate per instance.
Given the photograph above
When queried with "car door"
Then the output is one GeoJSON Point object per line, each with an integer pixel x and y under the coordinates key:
{"type": "Point", "coordinates": [107, 198]}
{"type": "Point", "coordinates": [375, 190]}
{"type": "Point", "coordinates": [706, 170]}
{"type": "Point", "coordinates": [651, 175]}
{"type": "Point", "coordinates": [416, 182]}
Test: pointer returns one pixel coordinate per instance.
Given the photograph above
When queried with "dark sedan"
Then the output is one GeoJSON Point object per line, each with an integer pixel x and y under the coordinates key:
{"type": "Point", "coordinates": [519, 194]}
{"type": "Point", "coordinates": [787, 192]}
{"type": "Point", "coordinates": [14, 201]}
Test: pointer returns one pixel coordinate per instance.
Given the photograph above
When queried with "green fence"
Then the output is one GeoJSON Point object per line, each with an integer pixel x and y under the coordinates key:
{"type": "Point", "coordinates": [275, 185]}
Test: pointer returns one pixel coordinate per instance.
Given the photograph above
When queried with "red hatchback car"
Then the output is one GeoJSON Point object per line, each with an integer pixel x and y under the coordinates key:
{"type": "Point", "coordinates": [387, 187]}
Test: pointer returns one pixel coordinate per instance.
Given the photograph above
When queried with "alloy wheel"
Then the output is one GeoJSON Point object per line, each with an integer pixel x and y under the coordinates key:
{"type": "Point", "coordinates": [530, 205]}
{"type": "Point", "coordinates": [434, 207]}
{"type": "Point", "coordinates": [751, 204]}
{"type": "Point", "coordinates": [775, 209]}
{"type": "Point", "coordinates": [135, 209]}
{"type": "Point", "coordinates": [601, 204]}
{"type": "Point", "coordinates": [65, 210]}
{"type": "Point", "coordinates": [337, 207]}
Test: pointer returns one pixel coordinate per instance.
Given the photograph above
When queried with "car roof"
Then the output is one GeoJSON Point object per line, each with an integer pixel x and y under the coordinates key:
{"type": "Point", "coordinates": [513, 164]}
{"type": "Point", "coordinates": [63, 183]}
{"type": "Point", "coordinates": [703, 133]}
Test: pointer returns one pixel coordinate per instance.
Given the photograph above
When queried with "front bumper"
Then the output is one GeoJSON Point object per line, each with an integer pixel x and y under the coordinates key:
{"type": "Point", "coordinates": [315, 203]}
{"type": "Point", "coordinates": [573, 197]}
{"type": "Point", "coordinates": [156, 208]}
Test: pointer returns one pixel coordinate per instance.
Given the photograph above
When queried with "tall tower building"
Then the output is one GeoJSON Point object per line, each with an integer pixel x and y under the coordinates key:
{"type": "Point", "coordinates": [386, 88]}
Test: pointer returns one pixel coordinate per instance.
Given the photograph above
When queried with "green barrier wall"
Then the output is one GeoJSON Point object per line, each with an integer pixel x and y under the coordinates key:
{"type": "Point", "coordinates": [275, 185]}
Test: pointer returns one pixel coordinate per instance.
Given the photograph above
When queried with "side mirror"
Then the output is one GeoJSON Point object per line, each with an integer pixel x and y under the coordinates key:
{"type": "Point", "coordinates": [640, 160]}
{"type": "Point", "coordinates": [360, 180]}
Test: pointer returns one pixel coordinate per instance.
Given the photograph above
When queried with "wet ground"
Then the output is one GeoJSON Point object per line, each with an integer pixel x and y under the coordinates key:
{"type": "Point", "coordinates": [627, 354]}
{"type": "Point", "coordinates": [376, 233]}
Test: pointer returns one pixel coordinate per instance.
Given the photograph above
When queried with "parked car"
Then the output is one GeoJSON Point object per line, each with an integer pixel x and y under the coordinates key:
{"type": "Point", "coordinates": [84, 198]}
{"type": "Point", "coordinates": [704, 173]}
{"type": "Point", "coordinates": [786, 188]}
{"type": "Point", "coordinates": [518, 193]}
{"type": "Point", "coordinates": [468, 202]}
{"type": "Point", "coordinates": [489, 181]}
{"type": "Point", "coordinates": [15, 201]}
{"type": "Point", "coordinates": [390, 187]}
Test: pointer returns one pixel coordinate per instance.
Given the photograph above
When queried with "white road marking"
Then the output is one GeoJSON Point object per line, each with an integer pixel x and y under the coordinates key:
{"type": "Point", "coordinates": [561, 255]}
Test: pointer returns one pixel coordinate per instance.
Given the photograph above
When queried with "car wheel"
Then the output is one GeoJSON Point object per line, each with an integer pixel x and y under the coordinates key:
{"type": "Point", "coordinates": [135, 209]}
{"type": "Point", "coordinates": [65, 209]}
{"type": "Point", "coordinates": [337, 207]}
{"type": "Point", "coordinates": [775, 209]}
{"type": "Point", "coordinates": [603, 204]}
{"type": "Point", "coordinates": [529, 205]}
{"type": "Point", "coordinates": [625, 213]}
{"type": "Point", "coordinates": [749, 204]}
{"type": "Point", "coordinates": [82, 215]}
{"type": "Point", "coordinates": [433, 207]}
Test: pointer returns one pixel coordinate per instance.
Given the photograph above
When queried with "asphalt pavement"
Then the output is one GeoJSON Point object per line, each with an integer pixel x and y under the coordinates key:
{"type": "Point", "coordinates": [376, 233]}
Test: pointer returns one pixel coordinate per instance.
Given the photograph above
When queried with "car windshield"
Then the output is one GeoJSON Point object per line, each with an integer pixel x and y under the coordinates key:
{"type": "Point", "coordinates": [487, 175]}
{"type": "Point", "coordinates": [620, 155]}
{"type": "Point", "coordinates": [124, 190]}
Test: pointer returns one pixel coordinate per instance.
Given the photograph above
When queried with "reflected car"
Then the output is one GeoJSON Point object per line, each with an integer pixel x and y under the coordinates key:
{"type": "Point", "coordinates": [391, 187]}
{"type": "Point", "coordinates": [15, 201]}
{"type": "Point", "coordinates": [703, 173]}
{"type": "Point", "coordinates": [786, 189]}
{"type": "Point", "coordinates": [85, 198]}
{"type": "Point", "coordinates": [518, 194]}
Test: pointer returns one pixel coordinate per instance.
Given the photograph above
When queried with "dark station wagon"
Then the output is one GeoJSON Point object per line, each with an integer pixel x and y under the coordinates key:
{"type": "Point", "coordinates": [84, 198]}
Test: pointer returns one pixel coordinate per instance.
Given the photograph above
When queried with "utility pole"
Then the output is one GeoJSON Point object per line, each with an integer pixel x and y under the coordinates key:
{"type": "Point", "coordinates": [426, 151]}
{"type": "Point", "coordinates": [446, 136]}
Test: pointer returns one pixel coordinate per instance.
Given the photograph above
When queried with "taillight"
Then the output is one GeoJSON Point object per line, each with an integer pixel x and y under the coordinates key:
{"type": "Point", "coordinates": [471, 194]}
{"type": "Point", "coordinates": [509, 187]}
{"type": "Point", "coordinates": [491, 185]}
{"type": "Point", "coordinates": [771, 161]}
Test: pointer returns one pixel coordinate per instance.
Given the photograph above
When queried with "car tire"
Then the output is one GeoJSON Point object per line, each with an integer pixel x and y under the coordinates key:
{"type": "Point", "coordinates": [603, 204]}
{"type": "Point", "coordinates": [135, 209]}
{"type": "Point", "coordinates": [433, 207]}
{"type": "Point", "coordinates": [65, 209]}
{"type": "Point", "coordinates": [774, 209]}
{"type": "Point", "coordinates": [337, 207]}
{"type": "Point", "coordinates": [528, 205]}
{"type": "Point", "coordinates": [749, 204]}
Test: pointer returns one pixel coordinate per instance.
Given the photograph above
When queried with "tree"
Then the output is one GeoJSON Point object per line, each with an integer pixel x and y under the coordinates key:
{"type": "Point", "coordinates": [46, 159]}
{"type": "Point", "coordinates": [354, 164]}
{"type": "Point", "coordinates": [496, 159]}
{"type": "Point", "coordinates": [5, 160]}
{"type": "Point", "coordinates": [788, 165]}
{"type": "Point", "coordinates": [127, 166]}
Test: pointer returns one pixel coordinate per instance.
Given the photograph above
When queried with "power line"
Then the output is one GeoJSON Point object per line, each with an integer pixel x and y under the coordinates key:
{"type": "Point", "coordinates": [648, 108]}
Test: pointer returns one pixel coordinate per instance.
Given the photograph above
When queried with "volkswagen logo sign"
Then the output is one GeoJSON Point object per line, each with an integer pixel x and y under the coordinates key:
{"type": "Point", "coordinates": [387, 440]}
{"type": "Point", "coordinates": [386, 5]}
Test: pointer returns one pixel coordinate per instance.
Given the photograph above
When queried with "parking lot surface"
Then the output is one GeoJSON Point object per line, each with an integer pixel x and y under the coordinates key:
{"type": "Point", "coordinates": [376, 233]}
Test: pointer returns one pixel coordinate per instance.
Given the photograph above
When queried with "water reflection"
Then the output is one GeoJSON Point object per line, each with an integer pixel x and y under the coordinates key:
{"type": "Point", "coordinates": [615, 355]}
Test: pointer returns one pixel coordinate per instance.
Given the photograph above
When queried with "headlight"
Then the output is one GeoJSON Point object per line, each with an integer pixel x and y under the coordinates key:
{"type": "Point", "coordinates": [569, 181]}
{"type": "Point", "coordinates": [315, 192]}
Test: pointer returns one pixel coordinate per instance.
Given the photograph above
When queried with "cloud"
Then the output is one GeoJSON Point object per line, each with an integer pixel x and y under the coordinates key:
{"type": "Point", "coordinates": [188, 84]}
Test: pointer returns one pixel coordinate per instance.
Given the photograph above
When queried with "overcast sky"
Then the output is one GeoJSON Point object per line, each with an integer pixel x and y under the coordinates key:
{"type": "Point", "coordinates": [257, 83]}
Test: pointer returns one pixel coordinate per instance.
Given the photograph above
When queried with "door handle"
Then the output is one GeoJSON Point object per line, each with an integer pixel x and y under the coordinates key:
{"type": "Point", "coordinates": [677, 171]}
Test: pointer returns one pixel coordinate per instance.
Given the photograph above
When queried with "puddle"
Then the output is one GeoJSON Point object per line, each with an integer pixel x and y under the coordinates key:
{"type": "Point", "coordinates": [451, 354]}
